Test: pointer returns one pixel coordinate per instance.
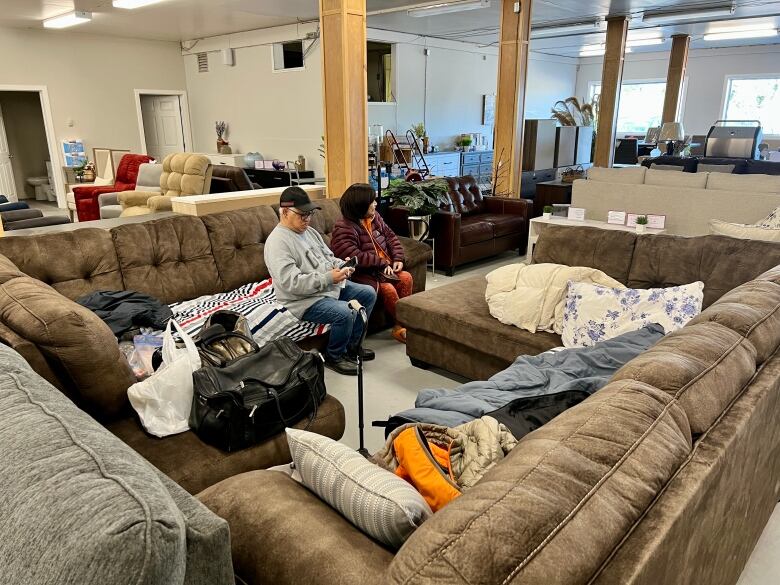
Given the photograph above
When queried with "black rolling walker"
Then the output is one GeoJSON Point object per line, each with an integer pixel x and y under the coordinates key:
{"type": "Point", "coordinates": [356, 306]}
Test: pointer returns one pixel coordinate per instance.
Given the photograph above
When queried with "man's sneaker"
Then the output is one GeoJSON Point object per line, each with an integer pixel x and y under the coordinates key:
{"type": "Point", "coordinates": [368, 354]}
{"type": "Point", "coordinates": [343, 365]}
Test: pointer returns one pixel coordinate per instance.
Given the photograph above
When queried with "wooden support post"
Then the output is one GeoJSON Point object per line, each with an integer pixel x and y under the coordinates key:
{"type": "Point", "coordinates": [510, 99]}
{"type": "Point", "coordinates": [678, 64]}
{"type": "Point", "coordinates": [343, 38]}
{"type": "Point", "coordinates": [609, 101]}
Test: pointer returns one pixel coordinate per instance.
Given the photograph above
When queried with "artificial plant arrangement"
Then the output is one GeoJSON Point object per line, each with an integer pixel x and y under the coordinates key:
{"type": "Point", "coordinates": [547, 211]}
{"type": "Point", "coordinates": [423, 198]}
{"type": "Point", "coordinates": [419, 129]}
{"type": "Point", "coordinates": [574, 112]}
{"type": "Point", "coordinates": [221, 128]}
{"type": "Point", "coordinates": [641, 223]}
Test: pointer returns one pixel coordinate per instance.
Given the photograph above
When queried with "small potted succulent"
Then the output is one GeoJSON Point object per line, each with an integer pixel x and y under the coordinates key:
{"type": "Point", "coordinates": [547, 211]}
{"type": "Point", "coordinates": [641, 224]}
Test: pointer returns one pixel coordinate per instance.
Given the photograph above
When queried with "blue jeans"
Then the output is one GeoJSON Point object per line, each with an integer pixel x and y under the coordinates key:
{"type": "Point", "coordinates": [346, 326]}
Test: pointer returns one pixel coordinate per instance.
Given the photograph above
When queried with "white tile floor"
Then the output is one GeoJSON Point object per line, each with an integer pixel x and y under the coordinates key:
{"type": "Point", "coordinates": [392, 384]}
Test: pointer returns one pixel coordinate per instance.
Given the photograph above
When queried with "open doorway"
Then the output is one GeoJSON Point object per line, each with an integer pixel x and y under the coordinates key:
{"type": "Point", "coordinates": [163, 121]}
{"type": "Point", "coordinates": [26, 150]}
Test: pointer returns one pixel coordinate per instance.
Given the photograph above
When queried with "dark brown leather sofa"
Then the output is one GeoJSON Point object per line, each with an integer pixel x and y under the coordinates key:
{"type": "Point", "coordinates": [227, 179]}
{"type": "Point", "coordinates": [667, 475]}
{"type": "Point", "coordinates": [172, 259]}
{"type": "Point", "coordinates": [474, 226]}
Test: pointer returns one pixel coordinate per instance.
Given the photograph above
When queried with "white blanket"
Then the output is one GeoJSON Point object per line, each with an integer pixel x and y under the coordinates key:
{"type": "Point", "coordinates": [531, 296]}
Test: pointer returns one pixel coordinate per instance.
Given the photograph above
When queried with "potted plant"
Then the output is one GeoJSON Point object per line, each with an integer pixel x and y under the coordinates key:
{"type": "Point", "coordinates": [465, 142]}
{"type": "Point", "coordinates": [223, 146]}
{"type": "Point", "coordinates": [419, 132]}
{"type": "Point", "coordinates": [421, 199]}
{"type": "Point", "coordinates": [641, 224]}
{"type": "Point", "coordinates": [547, 211]}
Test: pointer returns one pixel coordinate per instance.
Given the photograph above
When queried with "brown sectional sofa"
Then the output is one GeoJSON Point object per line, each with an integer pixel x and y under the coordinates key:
{"type": "Point", "coordinates": [172, 259]}
{"type": "Point", "coordinates": [450, 327]}
{"type": "Point", "coordinates": [665, 476]}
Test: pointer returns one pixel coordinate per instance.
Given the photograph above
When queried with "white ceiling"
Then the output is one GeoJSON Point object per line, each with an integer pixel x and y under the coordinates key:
{"type": "Point", "coordinates": [178, 20]}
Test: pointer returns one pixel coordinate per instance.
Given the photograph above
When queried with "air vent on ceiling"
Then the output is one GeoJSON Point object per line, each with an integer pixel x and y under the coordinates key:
{"type": "Point", "coordinates": [203, 62]}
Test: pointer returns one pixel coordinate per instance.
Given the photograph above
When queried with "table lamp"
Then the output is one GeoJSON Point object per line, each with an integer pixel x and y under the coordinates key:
{"type": "Point", "coordinates": [671, 133]}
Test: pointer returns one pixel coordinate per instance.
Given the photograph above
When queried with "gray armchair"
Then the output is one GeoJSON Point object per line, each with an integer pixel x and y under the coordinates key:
{"type": "Point", "coordinates": [148, 180]}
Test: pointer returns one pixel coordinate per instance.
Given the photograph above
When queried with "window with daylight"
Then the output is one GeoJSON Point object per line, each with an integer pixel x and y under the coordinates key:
{"type": "Point", "coordinates": [754, 99]}
{"type": "Point", "coordinates": [641, 105]}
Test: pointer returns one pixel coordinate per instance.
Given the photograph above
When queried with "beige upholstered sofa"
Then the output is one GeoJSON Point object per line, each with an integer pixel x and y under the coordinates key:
{"type": "Point", "coordinates": [688, 200]}
{"type": "Point", "coordinates": [183, 174]}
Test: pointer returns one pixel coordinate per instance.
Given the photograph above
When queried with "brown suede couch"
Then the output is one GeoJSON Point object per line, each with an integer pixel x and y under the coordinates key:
{"type": "Point", "coordinates": [173, 259]}
{"type": "Point", "coordinates": [667, 475]}
{"type": "Point", "coordinates": [450, 327]}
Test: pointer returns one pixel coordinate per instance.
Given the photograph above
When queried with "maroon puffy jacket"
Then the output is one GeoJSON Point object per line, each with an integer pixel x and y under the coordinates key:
{"type": "Point", "coordinates": [350, 239]}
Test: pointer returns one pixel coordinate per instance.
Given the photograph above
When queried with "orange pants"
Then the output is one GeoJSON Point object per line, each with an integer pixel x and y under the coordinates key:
{"type": "Point", "coordinates": [392, 291]}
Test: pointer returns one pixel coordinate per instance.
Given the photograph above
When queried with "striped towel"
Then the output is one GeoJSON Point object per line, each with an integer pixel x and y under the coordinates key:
{"type": "Point", "coordinates": [267, 319]}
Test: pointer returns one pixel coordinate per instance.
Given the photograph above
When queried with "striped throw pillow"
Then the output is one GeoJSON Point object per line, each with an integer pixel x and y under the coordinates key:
{"type": "Point", "coordinates": [373, 499]}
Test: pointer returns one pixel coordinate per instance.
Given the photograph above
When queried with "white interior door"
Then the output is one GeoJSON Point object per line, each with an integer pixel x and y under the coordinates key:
{"type": "Point", "coordinates": [7, 183]}
{"type": "Point", "coordinates": [162, 125]}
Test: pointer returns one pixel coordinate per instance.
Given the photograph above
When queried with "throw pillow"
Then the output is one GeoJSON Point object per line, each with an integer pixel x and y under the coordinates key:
{"type": "Point", "coordinates": [625, 176]}
{"type": "Point", "coordinates": [101, 182]}
{"type": "Point", "coordinates": [662, 178]}
{"type": "Point", "coordinates": [743, 183]}
{"type": "Point", "coordinates": [596, 313]}
{"type": "Point", "coordinates": [771, 221]}
{"type": "Point", "coordinates": [745, 232]}
{"type": "Point", "coordinates": [704, 168]}
{"type": "Point", "coordinates": [375, 500]}
{"type": "Point", "coordinates": [658, 167]}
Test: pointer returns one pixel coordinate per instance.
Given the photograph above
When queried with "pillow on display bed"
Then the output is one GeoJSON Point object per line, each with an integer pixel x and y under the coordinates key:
{"type": "Point", "coordinates": [745, 232]}
{"type": "Point", "coordinates": [659, 167]}
{"type": "Point", "coordinates": [704, 168]}
{"type": "Point", "coordinates": [596, 313]}
{"type": "Point", "coordinates": [375, 500]}
{"type": "Point", "coordinates": [771, 221]}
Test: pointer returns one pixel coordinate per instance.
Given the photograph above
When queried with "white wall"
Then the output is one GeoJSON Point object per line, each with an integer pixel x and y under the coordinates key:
{"type": "Point", "coordinates": [706, 79]}
{"type": "Point", "coordinates": [90, 80]}
{"type": "Point", "coordinates": [280, 114]}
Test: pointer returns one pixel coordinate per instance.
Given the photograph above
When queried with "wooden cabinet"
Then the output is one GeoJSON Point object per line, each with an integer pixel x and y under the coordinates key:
{"type": "Point", "coordinates": [445, 164]}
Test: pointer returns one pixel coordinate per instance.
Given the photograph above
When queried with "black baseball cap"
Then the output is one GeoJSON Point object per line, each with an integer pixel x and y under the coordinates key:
{"type": "Point", "coordinates": [297, 198]}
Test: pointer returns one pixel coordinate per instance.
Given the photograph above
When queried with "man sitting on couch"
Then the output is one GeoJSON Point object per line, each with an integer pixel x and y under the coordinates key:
{"type": "Point", "coordinates": [313, 284]}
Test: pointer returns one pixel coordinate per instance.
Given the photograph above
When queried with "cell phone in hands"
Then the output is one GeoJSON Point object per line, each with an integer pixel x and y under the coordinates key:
{"type": "Point", "coordinates": [351, 263]}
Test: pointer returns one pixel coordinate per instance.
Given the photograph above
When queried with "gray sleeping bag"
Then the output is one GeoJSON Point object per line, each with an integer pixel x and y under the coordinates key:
{"type": "Point", "coordinates": [582, 368]}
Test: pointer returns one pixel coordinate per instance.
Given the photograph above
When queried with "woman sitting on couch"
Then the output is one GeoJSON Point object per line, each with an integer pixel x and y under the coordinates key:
{"type": "Point", "coordinates": [361, 233]}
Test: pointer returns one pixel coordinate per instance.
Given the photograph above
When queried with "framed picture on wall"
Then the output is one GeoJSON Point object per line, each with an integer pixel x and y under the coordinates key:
{"type": "Point", "coordinates": [73, 151]}
{"type": "Point", "coordinates": [488, 109]}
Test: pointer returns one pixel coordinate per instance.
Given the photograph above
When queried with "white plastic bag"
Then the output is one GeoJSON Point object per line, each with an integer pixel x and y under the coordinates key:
{"type": "Point", "coordinates": [164, 399]}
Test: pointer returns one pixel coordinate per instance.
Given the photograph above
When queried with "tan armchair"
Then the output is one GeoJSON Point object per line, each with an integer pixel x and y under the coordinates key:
{"type": "Point", "coordinates": [183, 174]}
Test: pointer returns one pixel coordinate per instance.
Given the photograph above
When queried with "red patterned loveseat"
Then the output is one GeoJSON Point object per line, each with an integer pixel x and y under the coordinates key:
{"type": "Point", "coordinates": [126, 174]}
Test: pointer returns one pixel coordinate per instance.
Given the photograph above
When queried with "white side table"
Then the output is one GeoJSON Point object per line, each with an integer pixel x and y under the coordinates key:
{"type": "Point", "coordinates": [537, 225]}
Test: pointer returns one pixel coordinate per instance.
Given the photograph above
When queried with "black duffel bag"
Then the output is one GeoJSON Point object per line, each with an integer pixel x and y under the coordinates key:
{"type": "Point", "coordinates": [256, 395]}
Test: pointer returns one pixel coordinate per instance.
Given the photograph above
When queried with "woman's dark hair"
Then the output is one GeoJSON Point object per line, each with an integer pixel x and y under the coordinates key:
{"type": "Point", "coordinates": [356, 200]}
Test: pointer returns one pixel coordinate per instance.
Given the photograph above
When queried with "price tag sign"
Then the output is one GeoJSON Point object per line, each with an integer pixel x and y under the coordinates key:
{"type": "Point", "coordinates": [616, 217]}
{"type": "Point", "coordinates": [656, 222]}
{"type": "Point", "coordinates": [631, 219]}
{"type": "Point", "coordinates": [577, 213]}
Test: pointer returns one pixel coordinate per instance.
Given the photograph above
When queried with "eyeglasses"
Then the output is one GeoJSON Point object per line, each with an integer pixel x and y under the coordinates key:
{"type": "Point", "coordinates": [304, 216]}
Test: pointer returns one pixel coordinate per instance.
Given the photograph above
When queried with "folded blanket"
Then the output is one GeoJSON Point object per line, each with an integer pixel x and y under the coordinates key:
{"type": "Point", "coordinates": [532, 296]}
{"type": "Point", "coordinates": [586, 369]}
{"type": "Point", "coordinates": [268, 320]}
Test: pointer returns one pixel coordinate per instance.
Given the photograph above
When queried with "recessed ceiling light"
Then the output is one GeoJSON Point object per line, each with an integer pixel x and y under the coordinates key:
{"type": "Point", "coordinates": [68, 19]}
{"type": "Point", "coordinates": [448, 7]}
{"type": "Point", "coordinates": [130, 4]}
{"type": "Point", "coordinates": [741, 34]}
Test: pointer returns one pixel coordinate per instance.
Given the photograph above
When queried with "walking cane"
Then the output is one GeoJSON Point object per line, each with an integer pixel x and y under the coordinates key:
{"type": "Point", "coordinates": [356, 306]}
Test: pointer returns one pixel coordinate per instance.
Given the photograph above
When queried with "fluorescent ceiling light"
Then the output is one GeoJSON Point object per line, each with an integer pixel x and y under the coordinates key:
{"type": "Point", "coordinates": [447, 7]}
{"type": "Point", "coordinates": [645, 42]}
{"type": "Point", "coordinates": [700, 14]}
{"type": "Point", "coordinates": [588, 48]}
{"type": "Point", "coordinates": [741, 34]}
{"type": "Point", "coordinates": [567, 29]}
{"type": "Point", "coordinates": [130, 4]}
{"type": "Point", "coordinates": [594, 52]}
{"type": "Point", "coordinates": [68, 19]}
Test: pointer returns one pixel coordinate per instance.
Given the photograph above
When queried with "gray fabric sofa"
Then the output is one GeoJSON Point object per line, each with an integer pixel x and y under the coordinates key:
{"type": "Point", "coordinates": [79, 506]}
